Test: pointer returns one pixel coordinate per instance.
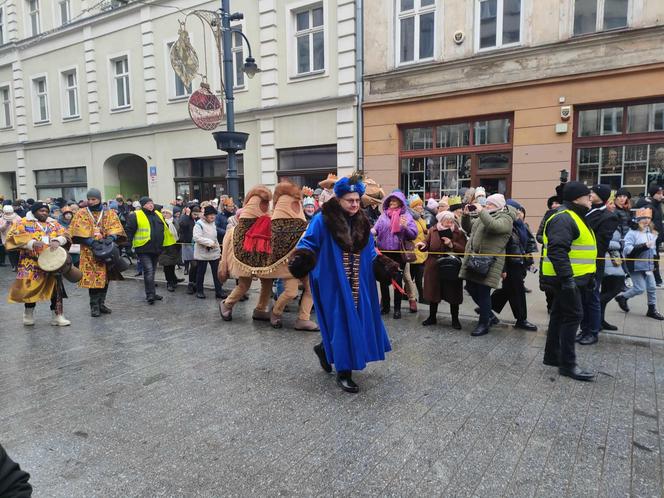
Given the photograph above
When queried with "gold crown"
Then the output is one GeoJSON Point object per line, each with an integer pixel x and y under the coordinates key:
{"type": "Point", "coordinates": [612, 197]}
{"type": "Point", "coordinates": [454, 200]}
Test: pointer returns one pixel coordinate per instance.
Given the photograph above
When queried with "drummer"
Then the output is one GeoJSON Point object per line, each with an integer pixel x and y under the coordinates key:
{"type": "Point", "coordinates": [32, 235]}
{"type": "Point", "coordinates": [90, 224]}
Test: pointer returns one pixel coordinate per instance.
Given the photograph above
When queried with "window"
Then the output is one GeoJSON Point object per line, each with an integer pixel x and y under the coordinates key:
{"type": "Point", "coordinates": [444, 158]}
{"type": "Point", "coordinates": [310, 40]}
{"type": "Point", "coordinates": [177, 88]}
{"type": "Point", "coordinates": [6, 110]}
{"type": "Point", "coordinates": [70, 94]}
{"type": "Point", "coordinates": [204, 178]}
{"type": "Point", "coordinates": [238, 58]}
{"type": "Point", "coordinates": [306, 165]}
{"type": "Point", "coordinates": [498, 23]}
{"type": "Point", "coordinates": [415, 29]}
{"type": "Point", "coordinates": [621, 145]}
{"type": "Point", "coordinates": [33, 15]}
{"type": "Point", "coordinates": [598, 15]}
{"type": "Point", "coordinates": [121, 93]}
{"type": "Point", "coordinates": [68, 183]}
{"type": "Point", "coordinates": [64, 10]}
{"type": "Point", "coordinates": [40, 96]}
{"type": "Point", "coordinates": [2, 26]}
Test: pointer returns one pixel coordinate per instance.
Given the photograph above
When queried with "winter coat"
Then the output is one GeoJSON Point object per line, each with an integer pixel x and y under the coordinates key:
{"type": "Point", "coordinates": [451, 291]}
{"type": "Point", "coordinates": [489, 233]}
{"type": "Point", "coordinates": [13, 481]}
{"type": "Point", "coordinates": [387, 240]}
{"type": "Point", "coordinates": [430, 217]}
{"type": "Point", "coordinates": [205, 236]}
{"type": "Point", "coordinates": [421, 236]}
{"type": "Point", "coordinates": [603, 223]}
{"type": "Point", "coordinates": [657, 213]}
{"type": "Point", "coordinates": [624, 220]}
{"type": "Point", "coordinates": [613, 255]}
{"type": "Point", "coordinates": [221, 221]}
{"type": "Point", "coordinates": [171, 254]}
{"type": "Point", "coordinates": [635, 247]}
{"type": "Point", "coordinates": [540, 230]}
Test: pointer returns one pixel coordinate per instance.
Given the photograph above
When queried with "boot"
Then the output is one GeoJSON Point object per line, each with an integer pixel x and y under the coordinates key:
{"type": "Point", "coordinates": [397, 306]}
{"type": "Point", "coordinates": [653, 313]}
{"type": "Point", "coordinates": [191, 288]}
{"type": "Point", "coordinates": [105, 310]}
{"type": "Point", "coordinates": [622, 303]}
{"type": "Point", "coordinates": [480, 329]}
{"type": "Point", "coordinates": [607, 326]}
{"type": "Point", "coordinates": [454, 311]}
{"type": "Point", "coordinates": [59, 320]}
{"type": "Point", "coordinates": [95, 310]}
{"type": "Point", "coordinates": [260, 315]}
{"type": "Point", "coordinates": [29, 316]}
{"type": "Point", "coordinates": [345, 382]}
{"type": "Point", "coordinates": [433, 311]}
{"type": "Point", "coordinates": [384, 307]}
{"type": "Point", "coordinates": [322, 358]}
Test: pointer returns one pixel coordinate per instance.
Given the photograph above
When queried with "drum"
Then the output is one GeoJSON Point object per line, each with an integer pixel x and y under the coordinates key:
{"type": "Point", "coordinates": [59, 261]}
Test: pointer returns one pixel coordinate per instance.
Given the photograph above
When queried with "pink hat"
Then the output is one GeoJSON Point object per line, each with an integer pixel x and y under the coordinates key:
{"type": "Point", "coordinates": [497, 200]}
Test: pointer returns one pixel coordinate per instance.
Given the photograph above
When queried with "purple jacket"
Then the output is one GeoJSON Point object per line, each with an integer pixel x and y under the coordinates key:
{"type": "Point", "coordinates": [385, 239]}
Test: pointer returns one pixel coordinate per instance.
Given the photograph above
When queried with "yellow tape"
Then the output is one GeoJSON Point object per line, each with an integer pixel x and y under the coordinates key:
{"type": "Point", "coordinates": [498, 255]}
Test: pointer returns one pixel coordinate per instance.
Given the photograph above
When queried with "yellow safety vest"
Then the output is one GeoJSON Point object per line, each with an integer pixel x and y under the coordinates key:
{"type": "Point", "coordinates": [142, 235]}
{"type": "Point", "coordinates": [582, 254]}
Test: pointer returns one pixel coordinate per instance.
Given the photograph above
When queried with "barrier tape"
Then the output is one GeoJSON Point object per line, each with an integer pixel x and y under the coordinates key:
{"type": "Point", "coordinates": [498, 255]}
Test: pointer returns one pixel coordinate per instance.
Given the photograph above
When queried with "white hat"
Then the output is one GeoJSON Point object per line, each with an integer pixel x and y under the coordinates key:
{"type": "Point", "coordinates": [137, 205]}
{"type": "Point", "coordinates": [7, 209]}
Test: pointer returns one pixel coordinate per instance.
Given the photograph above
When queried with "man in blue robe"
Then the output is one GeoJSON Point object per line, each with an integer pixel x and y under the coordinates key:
{"type": "Point", "coordinates": [338, 253]}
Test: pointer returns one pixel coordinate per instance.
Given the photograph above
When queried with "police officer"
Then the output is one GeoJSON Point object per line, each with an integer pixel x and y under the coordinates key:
{"type": "Point", "coordinates": [568, 268]}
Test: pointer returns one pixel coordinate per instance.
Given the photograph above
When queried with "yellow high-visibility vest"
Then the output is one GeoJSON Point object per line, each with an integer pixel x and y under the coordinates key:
{"type": "Point", "coordinates": [582, 254]}
{"type": "Point", "coordinates": [143, 232]}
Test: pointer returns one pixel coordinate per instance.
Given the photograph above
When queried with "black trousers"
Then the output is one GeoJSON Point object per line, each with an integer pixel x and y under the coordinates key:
{"type": "Point", "coordinates": [2, 255]}
{"type": "Point", "coordinates": [417, 274]}
{"type": "Point", "coordinates": [611, 287]}
{"type": "Point", "coordinates": [13, 258]}
{"type": "Point", "coordinates": [201, 267]}
{"type": "Point", "coordinates": [513, 291]}
{"type": "Point", "coordinates": [169, 273]}
{"type": "Point", "coordinates": [385, 288]}
{"type": "Point", "coordinates": [149, 262]}
{"type": "Point", "coordinates": [98, 295]}
{"type": "Point", "coordinates": [566, 316]}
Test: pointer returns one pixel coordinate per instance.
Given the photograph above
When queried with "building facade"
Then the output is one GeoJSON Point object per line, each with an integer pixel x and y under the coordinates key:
{"type": "Point", "coordinates": [89, 97]}
{"type": "Point", "coordinates": [507, 93]}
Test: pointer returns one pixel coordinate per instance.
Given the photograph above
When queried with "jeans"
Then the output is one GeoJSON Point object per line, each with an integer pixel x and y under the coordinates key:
{"type": "Point", "coordinates": [278, 287]}
{"type": "Point", "coordinates": [481, 294]}
{"type": "Point", "coordinates": [566, 315]}
{"type": "Point", "coordinates": [642, 281]}
{"type": "Point", "coordinates": [201, 267]}
{"type": "Point", "coordinates": [149, 263]}
{"type": "Point", "coordinates": [592, 309]}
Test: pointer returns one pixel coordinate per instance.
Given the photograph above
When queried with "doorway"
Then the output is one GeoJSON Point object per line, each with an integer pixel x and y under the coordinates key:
{"type": "Point", "coordinates": [125, 174]}
{"type": "Point", "coordinates": [496, 184]}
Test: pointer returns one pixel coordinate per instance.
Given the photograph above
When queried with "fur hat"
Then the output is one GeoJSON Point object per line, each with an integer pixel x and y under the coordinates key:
{"type": "Point", "coordinates": [286, 188]}
{"type": "Point", "coordinates": [261, 191]}
{"type": "Point", "coordinates": [347, 185]}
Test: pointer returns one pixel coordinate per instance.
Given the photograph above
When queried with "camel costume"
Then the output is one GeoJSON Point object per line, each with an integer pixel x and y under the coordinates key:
{"type": "Point", "coordinates": [287, 225]}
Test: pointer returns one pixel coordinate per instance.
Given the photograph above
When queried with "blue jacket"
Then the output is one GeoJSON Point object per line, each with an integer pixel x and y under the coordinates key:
{"type": "Point", "coordinates": [635, 247]}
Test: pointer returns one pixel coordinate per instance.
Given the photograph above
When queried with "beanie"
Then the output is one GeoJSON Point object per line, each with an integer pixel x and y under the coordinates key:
{"type": "Point", "coordinates": [624, 191]}
{"type": "Point", "coordinates": [432, 204]}
{"type": "Point", "coordinates": [94, 193]}
{"type": "Point", "coordinates": [497, 200]}
{"type": "Point", "coordinates": [654, 188]}
{"type": "Point", "coordinates": [209, 210]}
{"type": "Point", "coordinates": [144, 200]}
{"type": "Point", "coordinates": [514, 204]}
{"type": "Point", "coordinates": [574, 190]}
{"type": "Point", "coordinates": [602, 191]}
{"type": "Point", "coordinates": [7, 209]}
{"type": "Point", "coordinates": [551, 200]}
{"type": "Point", "coordinates": [37, 206]}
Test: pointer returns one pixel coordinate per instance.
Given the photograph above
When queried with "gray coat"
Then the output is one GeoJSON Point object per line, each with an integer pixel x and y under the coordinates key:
{"type": "Point", "coordinates": [489, 233]}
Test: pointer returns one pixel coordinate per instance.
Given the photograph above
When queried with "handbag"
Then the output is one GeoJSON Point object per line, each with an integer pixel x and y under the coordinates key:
{"type": "Point", "coordinates": [479, 265]}
{"type": "Point", "coordinates": [448, 267]}
{"type": "Point", "coordinates": [408, 251]}
{"type": "Point", "coordinates": [106, 251]}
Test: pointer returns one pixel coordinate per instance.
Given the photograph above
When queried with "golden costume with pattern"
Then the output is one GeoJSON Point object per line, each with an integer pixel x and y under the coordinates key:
{"type": "Point", "coordinates": [33, 284]}
{"type": "Point", "coordinates": [84, 225]}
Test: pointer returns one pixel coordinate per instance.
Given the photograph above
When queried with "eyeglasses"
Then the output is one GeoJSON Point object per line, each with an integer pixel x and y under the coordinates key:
{"type": "Point", "coordinates": [351, 201]}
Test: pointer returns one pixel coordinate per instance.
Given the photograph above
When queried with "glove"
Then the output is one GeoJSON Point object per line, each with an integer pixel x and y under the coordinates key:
{"type": "Point", "coordinates": [568, 284]}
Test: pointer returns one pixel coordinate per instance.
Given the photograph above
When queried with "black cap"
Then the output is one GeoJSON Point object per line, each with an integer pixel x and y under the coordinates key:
{"type": "Point", "coordinates": [574, 190]}
{"type": "Point", "coordinates": [602, 191]}
{"type": "Point", "coordinates": [624, 191]}
{"type": "Point", "coordinates": [209, 210]}
{"type": "Point", "coordinates": [144, 200]}
{"type": "Point", "coordinates": [551, 200]}
{"type": "Point", "coordinates": [654, 188]}
{"type": "Point", "coordinates": [37, 206]}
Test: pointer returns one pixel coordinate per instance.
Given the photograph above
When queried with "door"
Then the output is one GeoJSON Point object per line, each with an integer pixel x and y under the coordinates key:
{"type": "Point", "coordinates": [496, 184]}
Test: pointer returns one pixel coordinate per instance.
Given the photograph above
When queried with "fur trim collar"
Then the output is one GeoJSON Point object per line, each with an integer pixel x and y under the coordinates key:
{"type": "Point", "coordinates": [351, 238]}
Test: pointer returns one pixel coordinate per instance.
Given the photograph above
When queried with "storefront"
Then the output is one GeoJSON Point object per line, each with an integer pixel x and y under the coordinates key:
{"type": "Point", "coordinates": [204, 178]}
{"type": "Point", "coordinates": [307, 165]}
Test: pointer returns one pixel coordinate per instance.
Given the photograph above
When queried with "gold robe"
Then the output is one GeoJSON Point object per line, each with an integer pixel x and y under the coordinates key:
{"type": "Point", "coordinates": [32, 284]}
{"type": "Point", "coordinates": [83, 224]}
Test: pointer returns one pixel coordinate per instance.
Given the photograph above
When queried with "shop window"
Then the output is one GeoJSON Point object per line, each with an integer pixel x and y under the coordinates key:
{"type": "Point", "coordinates": [598, 15]}
{"type": "Point", "coordinates": [307, 165]}
{"type": "Point", "coordinates": [416, 21]}
{"type": "Point", "coordinates": [498, 23]}
{"type": "Point", "coordinates": [68, 183]}
{"type": "Point", "coordinates": [204, 178]}
{"type": "Point", "coordinates": [446, 158]}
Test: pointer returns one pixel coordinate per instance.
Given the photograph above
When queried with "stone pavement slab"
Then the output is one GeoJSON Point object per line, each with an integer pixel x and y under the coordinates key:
{"type": "Point", "coordinates": [168, 400]}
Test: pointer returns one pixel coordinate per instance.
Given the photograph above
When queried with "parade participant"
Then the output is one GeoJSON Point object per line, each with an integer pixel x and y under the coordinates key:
{"type": "Point", "coordinates": [170, 256]}
{"type": "Point", "coordinates": [9, 217]}
{"type": "Point", "coordinates": [328, 189]}
{"type": "Point", "coordinates": [456, 206]}
{"type": "Point", "coordinates": [394, 227]}
{"type": "Point", "coordinates": [489, 227]}
{"type": "Point", "coordinates": [148, 234]}
{"type": "Point", "coordinates": [442, 238]}
{"type": "Point", "coordinates": [309, 206]}
{"type": "Point", "coordinates": [88, 225]}
{"type": "Point", "coordinates": [567, 266]}
{"type": "Point", "coordinates": [640, 252]}
{"type": "Point", "coordinates": [207, 251]}
{"type": "Point", "coordinates": [247, 246]}
{"type": "Point", "coordinates": [13, 481]}
{"type": "Point", "coordinates": [655, 201]}
{"type": "Point", "coordinates": [186, 240]}
{"type": "Point", "coordinates": [32, 235]}
{"type": "Point", "coordinates": [338, 253]}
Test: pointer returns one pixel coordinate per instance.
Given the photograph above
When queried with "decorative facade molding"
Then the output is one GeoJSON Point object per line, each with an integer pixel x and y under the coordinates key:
{"type": "Point", "coordinates": [269, 52]}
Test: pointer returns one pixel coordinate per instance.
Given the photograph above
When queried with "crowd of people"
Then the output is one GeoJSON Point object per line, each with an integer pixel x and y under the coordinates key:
{"type": "Point", "coordinates": [596, 247]}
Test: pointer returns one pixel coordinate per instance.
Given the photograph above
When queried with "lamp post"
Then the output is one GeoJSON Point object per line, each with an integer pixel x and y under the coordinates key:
{"type": "Point", "coordinates": [230, 140]}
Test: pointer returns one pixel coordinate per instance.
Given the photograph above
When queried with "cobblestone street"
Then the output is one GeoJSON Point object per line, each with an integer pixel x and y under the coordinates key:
{"type": "Point", "coordinates": [168, 400]}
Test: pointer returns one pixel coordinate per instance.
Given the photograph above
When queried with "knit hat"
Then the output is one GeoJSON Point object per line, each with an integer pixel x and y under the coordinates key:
{"type": "Point", "coordinates": [143, 201]}
{"type": "Point", "coordinates": [209, 210]}
{"type": "Point", "coordinates": [443, 215]}
{"type": "Point", "coordinates": [7, 209]}
{"type": "Point", "coordinates": [414, 201]}
{"type": "Point", "coordinates": [347, 185]}
{"type": "Point", "coordinates": [551, 200]}
{"type": "Point", "coordinates": [308, 201]}
{"type": "Point", "coordinates": [497, 200]}
{"type": "Point", "coordinates": [624, 191]}
{"type": "Point", "coordinates": [94, 193]}
{"type": "Point", "coordinates": [7, 202]}
{"type": "Point", "coordinates": [432, 204]}
{"type": "Point", "coordinates": [514, 204]}
{"type": "Point", "coordinates": [654, 188]}
{"type": "Point", "coordinates": [574, 190]}
{"type": "Point", "coordinates": [37, 206]}
{"type": "Point", "coordinates": [602, 191]}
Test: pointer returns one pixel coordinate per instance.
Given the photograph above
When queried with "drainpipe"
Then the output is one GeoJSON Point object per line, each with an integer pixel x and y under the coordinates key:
{"type": "Point", "coordinates": [359, 80]}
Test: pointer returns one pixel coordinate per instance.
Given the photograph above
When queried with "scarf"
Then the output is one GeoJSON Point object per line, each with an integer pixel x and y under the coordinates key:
{"type": "Point", "coordinates": [258, 237]}
{"type": "Point", "coordinates": [394, 214]}
{"type": "Point", "coordinates": [98, 207]}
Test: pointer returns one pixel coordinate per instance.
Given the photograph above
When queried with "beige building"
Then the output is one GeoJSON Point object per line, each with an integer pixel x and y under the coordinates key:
{"type": "Point", "coordinates": [88, 97]}
{"type": "Point", "coordinates": [506, 93]}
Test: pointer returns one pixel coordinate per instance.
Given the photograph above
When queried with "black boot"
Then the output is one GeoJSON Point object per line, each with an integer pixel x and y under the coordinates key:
{"type": "Point", "coordinates": [384, 306]}
{"type": "Point", "coordinates": [320, 352]}
{"type": "Point", "coordinates": [397, 305]}
{"type": "Point", "coordinates": [433, 311]}
{"type": "Point", "coordinates": [608, 326]}
{"type": "Point", "coordinates": [95, 310]}
{"type": "Point", "coordinates": [480, 329]}
{"type": "Point", "coordinates": [105, 310]}
{"type": "Point", "coordinates": [454, 311]}
{"type": "Point", "coordinates": [653, 313]}
{"type": "Point", "coordinates": [622, 303]}
{"type": "Point", "coordinates": [345, 382]}
{"type": "Point", "coordinates": [191, 288]}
